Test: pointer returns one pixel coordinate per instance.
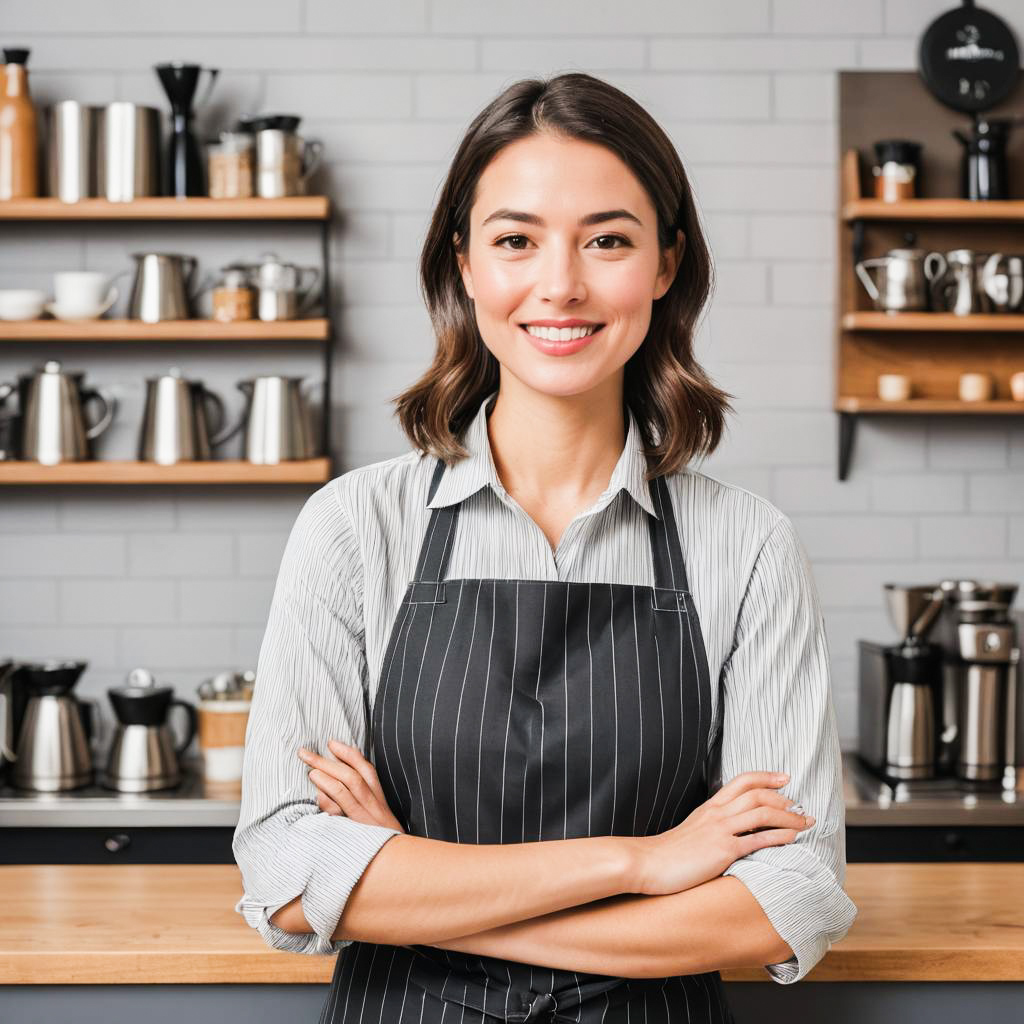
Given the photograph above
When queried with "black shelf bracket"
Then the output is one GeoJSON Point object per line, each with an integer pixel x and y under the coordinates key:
{"type": "Point", "coordinates": [847, 433]}
{"type": "Point", "coordinates": [858, 241]}
{"type": "Point", "coordinates": [325, 413]}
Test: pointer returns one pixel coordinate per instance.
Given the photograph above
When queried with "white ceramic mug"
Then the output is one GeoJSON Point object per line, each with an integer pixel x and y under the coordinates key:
{"type": "Point", "coordinates": [893, 387]}
{"type": "Point", "coordinates": [975, 387]}
{"type": "Point", "coordinates": [82, 294]}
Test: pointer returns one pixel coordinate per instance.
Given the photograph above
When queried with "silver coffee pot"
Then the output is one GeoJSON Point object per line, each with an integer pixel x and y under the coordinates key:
{"type": "Point", "coordinates": [144, 754]}
{"type": "Point", "coordinates": [284, 290]}
{"type": "Point", "coordinates": [163, 288]}
{"type": "Point", "coordinates": [904, 279]}
{"type": "Point", "coordinates": [53, 751]}
{"type": "Point", "coordinates": [278, 420]}
{"type": "Point", "coordinates": [969, 282]}
{"type": "Point", "coordinates": [177, 422]}
{"type": "Point", "coordinates": [284, 162]}
{"type": "Point", "coordinates": [53, 425]}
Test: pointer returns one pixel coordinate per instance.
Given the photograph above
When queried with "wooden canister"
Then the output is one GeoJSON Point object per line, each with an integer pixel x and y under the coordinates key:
{"type": "Point", "coordinates": [19, 139]}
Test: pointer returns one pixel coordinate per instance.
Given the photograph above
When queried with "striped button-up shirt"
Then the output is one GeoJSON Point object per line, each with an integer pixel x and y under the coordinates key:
{"type": "Point", "coordinates": [349, 557]}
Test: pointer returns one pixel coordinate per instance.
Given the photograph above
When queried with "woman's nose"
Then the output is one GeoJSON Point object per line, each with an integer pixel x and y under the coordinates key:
{"type": "Point", "coordinates": [560, 276]}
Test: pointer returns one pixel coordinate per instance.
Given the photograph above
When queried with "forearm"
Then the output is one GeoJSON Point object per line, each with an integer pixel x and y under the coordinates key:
{"type": "Point", "coordinates": [712, 926]}
{"type": "Point", "coordinates": [424, 891]}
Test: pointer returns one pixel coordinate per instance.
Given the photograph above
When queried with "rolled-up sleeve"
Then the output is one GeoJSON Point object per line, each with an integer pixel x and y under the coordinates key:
{"type": "Point", "coordinates": [779, 716]}
{"type": "Point", "coordinates": [310, 687]}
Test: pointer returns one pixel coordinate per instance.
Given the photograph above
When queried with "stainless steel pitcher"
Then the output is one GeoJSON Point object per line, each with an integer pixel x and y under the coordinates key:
{"type": "Point", "coordinates": [278, 420]}
{"type": "Point", "coordinates": [163, 287]}
{"type": "Point", "coordinates": [176, 420]}
{"type": "Point", "coordinates": [904, 278]}
{"type": "Point", "coordinates": [127, 151]}
{"type": "Point", "coordinates": [54, 428]}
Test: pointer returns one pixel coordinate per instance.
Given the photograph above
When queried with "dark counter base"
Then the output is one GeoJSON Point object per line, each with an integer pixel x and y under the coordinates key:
{"type": "Point", "coordinates": [752, 1002]}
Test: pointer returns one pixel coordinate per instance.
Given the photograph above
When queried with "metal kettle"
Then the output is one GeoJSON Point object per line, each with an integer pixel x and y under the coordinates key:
{"type": "Point", "coordinates": [904, 277]}
{"type": "Point", "coordinates": [143, 754]}
{"type": "Point", "coordinates": [53, 426]}
{"type": "Point", "coordinates": [176, 420]}
{"type": "Point", "coordinates": [163, 287]}
{"type": "Point", "coordinates": [53, 750]}
{"type": "Point", "coordinates": [278, 420]}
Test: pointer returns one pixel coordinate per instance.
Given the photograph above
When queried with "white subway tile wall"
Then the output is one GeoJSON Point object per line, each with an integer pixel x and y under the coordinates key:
{"type": "Point", "coordinates": [179, 580]}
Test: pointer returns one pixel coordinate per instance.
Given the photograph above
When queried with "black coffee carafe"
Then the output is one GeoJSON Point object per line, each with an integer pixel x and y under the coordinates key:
{"type": "Point", "coordinates": [983, 172]}
{"type": "Point", "coordinates": [184, 169]}
{"type": "Point", "coordinates": [143, 755]}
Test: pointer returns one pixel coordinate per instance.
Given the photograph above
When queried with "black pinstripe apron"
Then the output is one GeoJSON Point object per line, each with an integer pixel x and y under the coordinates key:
{"type": "Point", "coordinates": [510, 711]}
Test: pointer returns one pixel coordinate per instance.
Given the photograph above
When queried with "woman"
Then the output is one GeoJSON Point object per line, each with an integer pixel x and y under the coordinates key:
{"type": "Point", "coordinates": [554, 639]}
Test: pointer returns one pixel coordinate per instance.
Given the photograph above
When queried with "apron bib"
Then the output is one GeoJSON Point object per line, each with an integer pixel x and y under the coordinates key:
{"type": "Point", "coordinates": [512, 711]}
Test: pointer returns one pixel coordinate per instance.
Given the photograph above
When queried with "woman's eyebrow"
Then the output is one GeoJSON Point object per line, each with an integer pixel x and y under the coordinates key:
{"type": "Point", "coordinates": [584, 222]}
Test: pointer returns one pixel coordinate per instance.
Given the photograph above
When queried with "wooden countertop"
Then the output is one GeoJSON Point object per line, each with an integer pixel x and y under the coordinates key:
{"type": "Point", "coordinates": [137, 924]}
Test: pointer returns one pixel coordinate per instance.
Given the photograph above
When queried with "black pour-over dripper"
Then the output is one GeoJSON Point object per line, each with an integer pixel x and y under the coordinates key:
{"type": "Point", "coordinates": [184, 169]}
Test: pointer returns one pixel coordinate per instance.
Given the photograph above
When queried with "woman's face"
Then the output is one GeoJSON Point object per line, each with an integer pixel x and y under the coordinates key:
{"type": "Point", "coordinates": [561, 230]}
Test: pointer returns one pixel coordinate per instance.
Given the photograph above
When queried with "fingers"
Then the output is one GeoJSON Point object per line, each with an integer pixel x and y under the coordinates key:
{"type": "Point", "coordinates": [346, 786]}
{"type": "Point", "coordinates": [767, 837]}
{"type": "Point", "coordinates": [744, 781]}
{"type": "Point", "coordinates": [760, 797]}
{"type": "Point", "coordinates": [326, 804]}
{"type": "Point", "coordinates": [769, 817]}
{"type": "Point", "coordinates": [354, 757]}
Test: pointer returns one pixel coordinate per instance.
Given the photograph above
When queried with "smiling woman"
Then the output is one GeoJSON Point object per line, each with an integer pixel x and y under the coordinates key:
{"type": "Point", "coordinates": [526, 691]}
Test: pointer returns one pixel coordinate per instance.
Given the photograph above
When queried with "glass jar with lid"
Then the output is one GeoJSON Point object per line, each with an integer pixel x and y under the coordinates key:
{"type": "Point", "coordinates": [233, 294]}
{"type": "Point", "coordinates": [231, 164]}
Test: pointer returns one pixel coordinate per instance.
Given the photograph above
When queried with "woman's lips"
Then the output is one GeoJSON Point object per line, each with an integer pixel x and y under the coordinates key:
{"type": "Point", "coordinates": [561, 348]}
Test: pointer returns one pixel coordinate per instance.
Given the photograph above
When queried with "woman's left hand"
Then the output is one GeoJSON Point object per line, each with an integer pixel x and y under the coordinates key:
{"type": "Point", "coordinates": [349, 785]}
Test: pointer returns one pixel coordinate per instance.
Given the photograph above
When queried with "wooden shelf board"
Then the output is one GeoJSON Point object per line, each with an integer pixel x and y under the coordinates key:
{"type": "Point", "coordinates": [934, 209]}
{"type": "Point", "coordinates": [930, 405]}
{"type": "Point", "coordinates": [874, 321]}
{"type": "Point", "coordinates": [169, 208]}
{"type": "Point", "coordinates": [166, 330]}
{"type": "Point", "coordinates": [214, 471]}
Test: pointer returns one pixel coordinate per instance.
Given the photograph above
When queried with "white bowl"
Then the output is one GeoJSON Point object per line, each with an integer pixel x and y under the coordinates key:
{"type": "Point", "coordinates": [21, 303]}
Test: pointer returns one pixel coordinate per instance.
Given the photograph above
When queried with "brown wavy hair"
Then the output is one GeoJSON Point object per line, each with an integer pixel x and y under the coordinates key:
{"type": "Point", "coordinates": [680, 412]}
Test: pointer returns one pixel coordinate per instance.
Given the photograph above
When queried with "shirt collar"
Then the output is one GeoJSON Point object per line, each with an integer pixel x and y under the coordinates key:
{"type": "Point", "coordinates": [477, 470]}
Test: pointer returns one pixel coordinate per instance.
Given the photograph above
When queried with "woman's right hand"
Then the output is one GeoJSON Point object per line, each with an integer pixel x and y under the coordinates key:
{"type": "Point", "coordinates": [717, 833]}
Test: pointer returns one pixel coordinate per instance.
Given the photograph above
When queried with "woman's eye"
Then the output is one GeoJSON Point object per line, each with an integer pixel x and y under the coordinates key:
{"type": "Point", "coordinates": [516, 248]}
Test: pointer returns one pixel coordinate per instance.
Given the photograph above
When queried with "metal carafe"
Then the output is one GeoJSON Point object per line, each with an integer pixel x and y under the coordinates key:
{"type": "Point", "coordinates": [53, 426]}
{"type": "Point", "coordinates": [1002, 280]}
{"type": "Point", "coordinates": [284, 160]}
{"type": "Point", "coordinates": [13, 698]}
{"type": "Point", "coordinates": [904, 277]}
{"type": "Point", "coordinates": [961, 290]}
{"type": "Point", "coordinates": [143, 754]}
{"type": "Point", "coordinates": [284, 290]}
{"type": "Point", "coordinates": [278, 420]}
{"type": "Point", "coordinates": [9, 443]}
{"type": "Point", "coordinates": [163, 286]}
{"type": "Point", "coordinates": [127, 151]}
{"type": "Point", "coordinates": [53, 747]}
{"type": "Point", "coordinates": [177, 422]}
{"type": "Point", "coordinates": [983, 161]}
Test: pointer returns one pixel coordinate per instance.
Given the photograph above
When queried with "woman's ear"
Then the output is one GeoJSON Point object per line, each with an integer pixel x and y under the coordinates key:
{"type": "Point", "coordinates": [462, 259]}
{"type": "Point", "coordinates": [670, 261]}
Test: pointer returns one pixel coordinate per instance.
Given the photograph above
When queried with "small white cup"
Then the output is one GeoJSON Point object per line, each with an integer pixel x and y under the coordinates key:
{"type": "Point", "coordinates": [1017, 386]}
{"type": "Point", "coordinates": [975, 387]}
{"type": "Point", "coordinates": [893, 387]}
{"type": "Point", "coordinates": [82, 294]}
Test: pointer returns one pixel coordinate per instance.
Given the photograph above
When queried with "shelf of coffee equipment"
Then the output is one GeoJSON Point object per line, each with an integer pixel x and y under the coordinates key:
{"type": "Point", "coordinates": [169, 208]}
{"type": "Point", "coordinates": [934, 209]}
{"type": "Point", "coordinates": [1008, 323]}
{"type": "Point", "coordinates": [313, 329]}
{"type": "Point", "coordinates": [1002, 406]}
{"type": "Point", "coordinates": [213, 471]}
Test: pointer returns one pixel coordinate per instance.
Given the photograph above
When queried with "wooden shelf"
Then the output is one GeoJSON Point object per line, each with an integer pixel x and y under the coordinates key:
{"type": "Point", "coordinates": [935, 209]}
{"type": "Point", "coordinates": [166, 330]}
{"type": "Point", "coordinates": [168, 208]}
{"type": "Point", "coordinates": [998, 406]}
{"type": "Point", "coordinates": [214, 471]}
{"type": "Point", "coordinates": [872, 321]}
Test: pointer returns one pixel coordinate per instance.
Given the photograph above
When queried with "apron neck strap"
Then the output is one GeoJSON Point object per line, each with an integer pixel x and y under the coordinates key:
{"type": "Point", "coordinates": [666, 552]}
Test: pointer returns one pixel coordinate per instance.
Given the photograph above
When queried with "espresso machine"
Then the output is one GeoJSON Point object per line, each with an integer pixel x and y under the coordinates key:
{"type": "Point", "coordinates": [944, 703]}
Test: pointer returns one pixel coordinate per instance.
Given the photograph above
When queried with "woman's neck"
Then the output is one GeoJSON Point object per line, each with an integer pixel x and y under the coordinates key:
{"type": "Point", "coordinates": [556, 450]}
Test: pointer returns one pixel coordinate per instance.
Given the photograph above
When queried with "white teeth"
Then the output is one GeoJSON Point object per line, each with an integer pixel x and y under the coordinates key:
{"type": "Point", "coordinates": [559, 333]}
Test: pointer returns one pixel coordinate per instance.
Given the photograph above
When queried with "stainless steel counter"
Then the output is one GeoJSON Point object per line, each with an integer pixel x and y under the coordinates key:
{"type": "Point", "coordinates": [188, 804]}
{"type": "Point", "coordinates": [869, 801]}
